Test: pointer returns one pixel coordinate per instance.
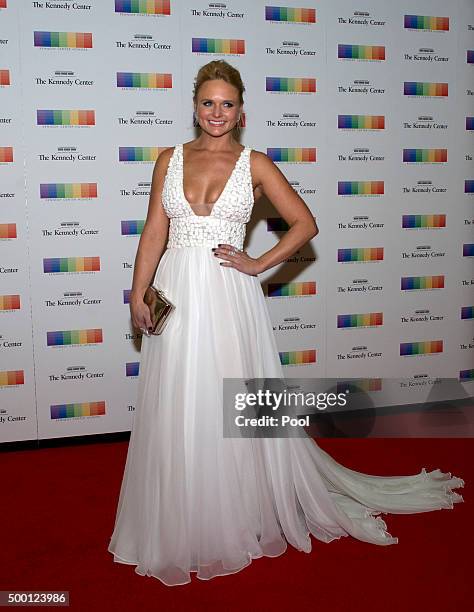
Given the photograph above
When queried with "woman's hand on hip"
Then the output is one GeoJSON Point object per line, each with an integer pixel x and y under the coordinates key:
{"type": "Point", "coordinates": [235, 258]}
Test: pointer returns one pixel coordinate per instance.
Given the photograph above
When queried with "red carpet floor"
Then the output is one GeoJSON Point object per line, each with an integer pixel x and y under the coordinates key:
{"type": "Point", "coordinates": [59, 505]}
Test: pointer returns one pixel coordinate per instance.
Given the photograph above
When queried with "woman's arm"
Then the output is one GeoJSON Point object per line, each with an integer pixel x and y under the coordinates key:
{"type": "Point", "coordinates": [289, 205]}
{"type": "Point", "coordinates": [272, 182]}
{"type": "Point", "coordinates": [152, 243]}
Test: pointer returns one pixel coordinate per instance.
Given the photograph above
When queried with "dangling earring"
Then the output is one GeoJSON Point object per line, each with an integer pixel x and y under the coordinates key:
{"type": "Point", "coordinates": [195, 121]}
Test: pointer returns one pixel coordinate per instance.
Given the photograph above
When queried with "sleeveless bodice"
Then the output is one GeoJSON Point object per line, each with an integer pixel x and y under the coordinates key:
{"type": "Point", "coordinates": [229, 215]}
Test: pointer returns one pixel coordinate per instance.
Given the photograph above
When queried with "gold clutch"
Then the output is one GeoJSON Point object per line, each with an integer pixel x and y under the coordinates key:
{"type": "Point", "coordinates": [160, 308]}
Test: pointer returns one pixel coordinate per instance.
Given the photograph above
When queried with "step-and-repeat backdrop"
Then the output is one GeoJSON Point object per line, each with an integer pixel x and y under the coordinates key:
{"type": "Point", "coordinates": [367, 108]}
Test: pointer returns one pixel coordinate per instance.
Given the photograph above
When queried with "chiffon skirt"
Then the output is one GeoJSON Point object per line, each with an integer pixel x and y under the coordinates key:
{"type": "Point", "coordinates": [193, 500]}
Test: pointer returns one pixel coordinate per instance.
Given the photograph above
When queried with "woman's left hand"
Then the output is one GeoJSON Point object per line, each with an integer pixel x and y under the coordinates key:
{"type": "Point", "coordinates": [237, 259]}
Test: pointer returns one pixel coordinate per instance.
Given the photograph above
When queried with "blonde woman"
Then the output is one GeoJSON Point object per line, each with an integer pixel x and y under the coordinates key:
{"type": "Point", "coordinates": [193, 500]}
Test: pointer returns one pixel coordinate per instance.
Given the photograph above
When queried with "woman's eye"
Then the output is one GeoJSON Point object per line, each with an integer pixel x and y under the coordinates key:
{"type": "Point", "coordinates": [208, 102]}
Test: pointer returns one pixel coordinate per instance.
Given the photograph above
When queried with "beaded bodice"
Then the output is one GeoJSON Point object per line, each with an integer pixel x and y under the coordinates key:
{"type": "Point", "coordinates": [229, 215]}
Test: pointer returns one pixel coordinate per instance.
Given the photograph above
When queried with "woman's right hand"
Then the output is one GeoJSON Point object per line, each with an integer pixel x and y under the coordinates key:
{"type": "Point", "coordinates": [140, 315]}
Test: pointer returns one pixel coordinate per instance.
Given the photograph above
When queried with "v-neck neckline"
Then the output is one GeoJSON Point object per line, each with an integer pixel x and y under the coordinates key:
{"type": "Point", "coordinates": [181, 181]}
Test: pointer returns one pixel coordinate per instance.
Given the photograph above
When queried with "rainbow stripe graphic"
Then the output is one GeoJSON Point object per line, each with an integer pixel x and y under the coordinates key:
{"type": "Point", "coordinates": [293, 154]}
{"type": "Point", "coordinates": [298, 357]}
{"type": "Point", "coordinates": [361, 52]}
{"type": "Point", "coordinates": [367, 319]}
{"type": "Point", "coordinates": [71, 40]}
{"type": "Point", "coordinates": [149, 7]}
{"type": "Point", "coordinates": [466, 374]}
{"type": "Point", "coordinates": [71, 264]}
{"type": "Point", "coordinates": [426, 347]}
{"type": "Point", "coordinates": [287, 13]}
{"type": "Point", "coordinates": [467, 312]}
{"type": "Point", "coordinates": [425, 155]}
{"type": "Point", "coordinates": [132, 227]}
{"type": "Point", "coordinates": [5, 77]}
{"type": "Point", "coordinates": [83, 409]}
{"type": "Point", "coordinates": [418, 88]}
{"type": "Point", "coordinates": [423, 221]}
{"type": "Point", "coordinates": [65, 117]}
{"type": "Point", "coordinates": [468, 250]}
{"type": "Point", "coordinates": [345, 188]}
{"type": "Point", "coordinates": [12, 377]}
{"type": "Point", "coordinates": [469, 123]}
{"type": "Point", "coordinates": [6, 154]}
{"type": "Point", "coordinates": [151, 80]}
{"type": "Point", "coordinates": [139, 154]}
{"type": "Point", "coordinates": [361, 122]}
{"type": "Point", "coordinates": [74, 336]}
{"type": "Point", "coordinates": [132, 368]}
{"type": "Point", "coordinates": [417, 283]}
{"type": "Point", "coordinates": [3, 4]}
{"type": "Point", "coordinates": [291, 289]}
{"type": "Point", "coordinates": [365, 385]}
{"type": "Point", "coordinates": [9, 302]}
{"type": "Point", "coordinates": [469, 186]}
{"type": "Point", "coordinates": [470, 56]}
{"type": "Point", "coordinates": [422, 22]}
{"type": "Point", "coordinates": [290, 84]}
{"type": "Point", "coordinates": [277, 224]}
{"type": "Point", "coordinates": [68, 191]}
{"type": "Point", "coordinates": [226, 46]}
{"type": "Point", "coordinates": [360, 254]}
{"type": "Point", "coordinates": [8, 230]}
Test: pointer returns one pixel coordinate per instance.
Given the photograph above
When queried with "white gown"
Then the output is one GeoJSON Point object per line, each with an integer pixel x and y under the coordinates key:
{"type": "Point", "coordinates": [192, 500]}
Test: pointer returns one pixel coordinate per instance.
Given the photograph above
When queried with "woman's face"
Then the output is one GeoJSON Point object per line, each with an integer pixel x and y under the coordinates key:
{"type": "Point", "coordinates": [217, 107]}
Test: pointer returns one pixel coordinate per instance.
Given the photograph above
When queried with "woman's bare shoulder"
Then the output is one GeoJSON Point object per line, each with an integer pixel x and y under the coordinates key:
{"type": "Point", "coordinates": [164, 158]}
{"type": "Point", "coordinates": [166, 153]}
{"type": "Point", "coordinates": [259, 156]}
{"type": "Point", "coordinates": [260, 162]}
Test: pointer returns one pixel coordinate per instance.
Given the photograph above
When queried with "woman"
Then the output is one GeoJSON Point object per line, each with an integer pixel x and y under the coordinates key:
{"type": "Point", "coordinates": [193, 500]}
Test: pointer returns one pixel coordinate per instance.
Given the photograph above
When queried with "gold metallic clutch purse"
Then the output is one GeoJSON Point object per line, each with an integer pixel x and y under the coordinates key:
{"type": "Point", "coordinates": [160, 308]}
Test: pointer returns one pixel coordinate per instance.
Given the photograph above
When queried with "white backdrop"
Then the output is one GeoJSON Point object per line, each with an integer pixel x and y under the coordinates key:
{"type": "Point", "coordinates": [377, 138]}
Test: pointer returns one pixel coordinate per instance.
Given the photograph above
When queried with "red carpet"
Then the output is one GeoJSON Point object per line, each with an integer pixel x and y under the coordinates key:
{"type": "Point", "coordinates": [58, 511]}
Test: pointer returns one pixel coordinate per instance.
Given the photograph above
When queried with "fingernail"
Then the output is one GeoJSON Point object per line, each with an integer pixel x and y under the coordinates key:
{"type": "Point", "coordinates": [216, 254]}
{"type": "Point", "coordinates": [213, 249]}
{"type": "Point", "coordinates": [219, 244]}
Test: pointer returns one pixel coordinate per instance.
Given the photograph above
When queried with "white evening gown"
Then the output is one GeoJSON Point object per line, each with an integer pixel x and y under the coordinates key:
{"type": "Point", "coordinates": [192, 500]}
